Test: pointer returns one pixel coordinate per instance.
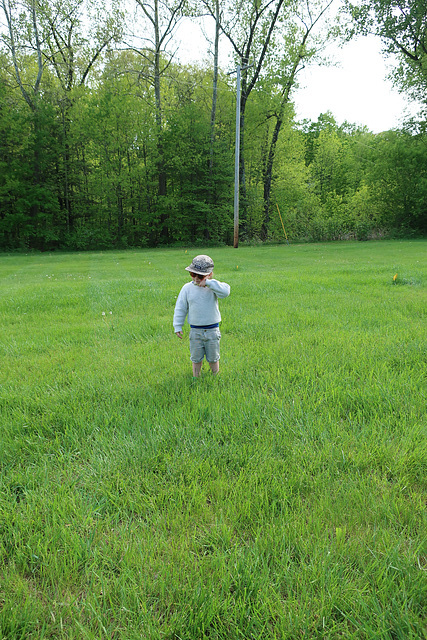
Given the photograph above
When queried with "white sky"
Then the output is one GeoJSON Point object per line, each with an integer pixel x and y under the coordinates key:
{"type": "Point", "coordinates": [355, 90]}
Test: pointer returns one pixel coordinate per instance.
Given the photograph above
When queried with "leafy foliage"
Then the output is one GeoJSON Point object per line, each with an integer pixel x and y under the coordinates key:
{"type": "Point", "coordinates": [82, 147]}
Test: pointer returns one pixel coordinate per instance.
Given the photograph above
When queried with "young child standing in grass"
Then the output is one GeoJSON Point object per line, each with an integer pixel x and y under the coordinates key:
{"type": "Point", "coordinates": [199, 300]}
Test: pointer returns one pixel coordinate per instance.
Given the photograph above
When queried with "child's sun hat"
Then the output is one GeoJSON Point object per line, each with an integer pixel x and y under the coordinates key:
{"type": "Point", "coordinates": [203, 265]}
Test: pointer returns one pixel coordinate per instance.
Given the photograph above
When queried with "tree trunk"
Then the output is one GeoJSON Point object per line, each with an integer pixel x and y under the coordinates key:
{"type": "Point", "coordinates": [268, 173]}
{"type": "Point", "coordinates": [214, 86]}
{"type": "Point", "coordinates": [157, 94]}
{"type": "Point", "coordinates": [242, 168]}
{"type": "Point", "coordinates": [30, 98]}
{"type": "Point", "coordinates": [268, 177]}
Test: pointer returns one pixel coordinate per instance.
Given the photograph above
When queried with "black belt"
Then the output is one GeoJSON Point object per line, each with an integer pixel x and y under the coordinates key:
{"type": "Point", "coordinates": [207, 326]}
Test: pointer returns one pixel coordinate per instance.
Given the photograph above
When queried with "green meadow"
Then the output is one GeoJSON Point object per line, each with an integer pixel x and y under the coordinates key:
{"type": "Point", "coordinates": [283, 499]}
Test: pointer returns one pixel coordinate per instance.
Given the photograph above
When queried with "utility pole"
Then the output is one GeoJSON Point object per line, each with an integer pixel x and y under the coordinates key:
{"type": "Point", "coordinates": [237, 156]}
{"type": "Point", "coordinates": [236, 163]}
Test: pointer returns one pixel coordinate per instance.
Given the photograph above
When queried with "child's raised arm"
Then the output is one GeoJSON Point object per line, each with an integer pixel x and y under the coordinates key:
{"type": "Point", "coordinates": [220, 289]}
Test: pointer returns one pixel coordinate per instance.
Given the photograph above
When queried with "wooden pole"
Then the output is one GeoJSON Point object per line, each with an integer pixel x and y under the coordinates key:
{"type": "Point", "coordinates": [236, 164]}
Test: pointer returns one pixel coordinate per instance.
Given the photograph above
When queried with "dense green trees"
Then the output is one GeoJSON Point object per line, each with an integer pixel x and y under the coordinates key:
{"type": "Point", "coordinates": [113, 146]}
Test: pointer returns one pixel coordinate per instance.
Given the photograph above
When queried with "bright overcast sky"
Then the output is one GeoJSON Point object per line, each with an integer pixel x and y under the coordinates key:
{"type": "Point", "coordinates": [355, 90]}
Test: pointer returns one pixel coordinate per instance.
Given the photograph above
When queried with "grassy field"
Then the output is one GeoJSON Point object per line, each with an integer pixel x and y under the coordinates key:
{"type": "Point", "coordinates": [285, 498]}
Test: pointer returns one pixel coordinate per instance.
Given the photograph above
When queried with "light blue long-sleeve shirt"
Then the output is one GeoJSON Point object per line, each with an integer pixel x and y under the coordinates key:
{"type": "Point", "coordinates": [200, 304]}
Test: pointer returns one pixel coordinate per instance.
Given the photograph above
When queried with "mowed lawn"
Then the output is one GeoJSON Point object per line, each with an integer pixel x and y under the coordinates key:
{"type": "Point", "coordinates": [285, 498]}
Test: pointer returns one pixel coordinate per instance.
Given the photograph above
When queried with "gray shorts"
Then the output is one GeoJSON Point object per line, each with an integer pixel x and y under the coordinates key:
{"type": "Point", "coordinates": [204, 342]}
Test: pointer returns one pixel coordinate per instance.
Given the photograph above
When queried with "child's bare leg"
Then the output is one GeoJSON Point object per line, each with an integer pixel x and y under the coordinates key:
{"type": "Point", "coordinates": [214, 367]}
{"type": "Point", "coordinates": [197, 367]}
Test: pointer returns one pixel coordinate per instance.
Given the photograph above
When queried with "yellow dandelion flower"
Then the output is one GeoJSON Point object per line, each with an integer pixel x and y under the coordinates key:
{"type": "Point", "coordinates": [395, 277]}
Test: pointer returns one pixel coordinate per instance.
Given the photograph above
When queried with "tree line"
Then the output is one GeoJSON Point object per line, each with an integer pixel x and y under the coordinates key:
{"type": "Point", "coordinates": [108, 141]}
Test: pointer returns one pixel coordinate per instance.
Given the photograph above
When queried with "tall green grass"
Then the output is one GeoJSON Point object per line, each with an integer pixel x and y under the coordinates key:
{"type": "Point", "coordinates": [283, 499]}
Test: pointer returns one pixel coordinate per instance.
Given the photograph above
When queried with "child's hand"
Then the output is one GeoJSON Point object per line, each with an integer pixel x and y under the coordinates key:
{"type": "Point", "coordinates": [179, 334]}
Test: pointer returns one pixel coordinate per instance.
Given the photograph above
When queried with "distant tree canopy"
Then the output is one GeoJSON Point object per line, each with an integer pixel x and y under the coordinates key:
{"type": "Point", "coordinates": [110, 143]}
